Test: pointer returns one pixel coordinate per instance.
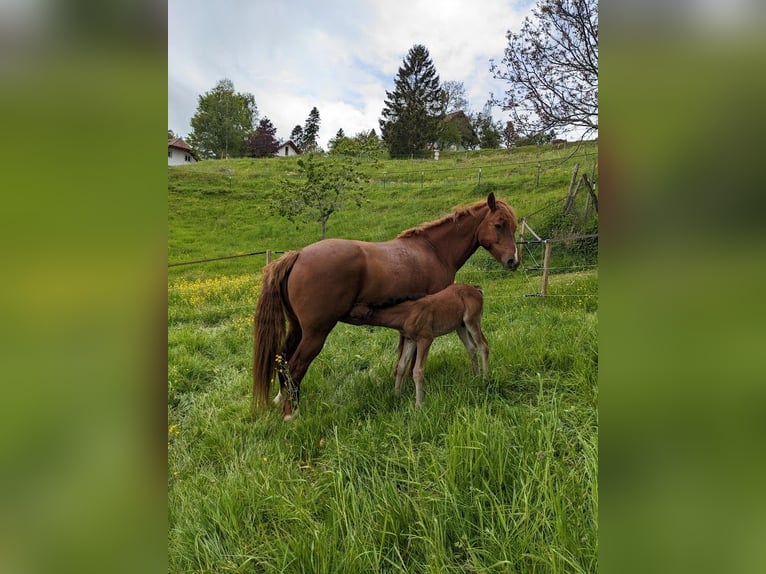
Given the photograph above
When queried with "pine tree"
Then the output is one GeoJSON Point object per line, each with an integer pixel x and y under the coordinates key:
{"type": "Point", "coordinates": [311, 131]}
{"type": "Point", "coordinates": [339, 139]}
{"type": "Point", "coordinates": [414, 110]}
{"type": "Point", "coordinates": [296, 136]}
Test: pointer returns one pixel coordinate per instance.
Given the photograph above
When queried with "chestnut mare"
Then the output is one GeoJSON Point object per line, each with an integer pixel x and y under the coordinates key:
{"type": "Point", "coordinates": [317, 286]}
{"type": "Point", "coordinates": [419, 321]}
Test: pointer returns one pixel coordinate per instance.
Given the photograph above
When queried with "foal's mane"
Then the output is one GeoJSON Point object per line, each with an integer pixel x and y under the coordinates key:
{"type": "Point", "coordinates": [454, 217]}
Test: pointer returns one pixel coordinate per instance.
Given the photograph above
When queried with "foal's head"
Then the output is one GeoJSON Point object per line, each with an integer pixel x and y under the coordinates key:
{"type": "Point", "coordinates": [496, 233]}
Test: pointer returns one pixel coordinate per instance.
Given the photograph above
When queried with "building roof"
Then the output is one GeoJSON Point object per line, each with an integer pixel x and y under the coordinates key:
{"type": "Point", "coordinates": [291, 144]}
{"type": "Point", "coordinates": [179, 143]}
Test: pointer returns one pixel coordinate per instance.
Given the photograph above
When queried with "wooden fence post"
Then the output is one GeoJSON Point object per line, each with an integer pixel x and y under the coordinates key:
{"type": "Point", "coordinates": [572, 189]}
{"type": "Point", "coordinates": [521, 237]}
{"type": "Point", "coordinates": [546, 265]}
{"type": "Point", "coordinates": [591, 191]}
{"type": "Point", "coordinates": [268, 256]}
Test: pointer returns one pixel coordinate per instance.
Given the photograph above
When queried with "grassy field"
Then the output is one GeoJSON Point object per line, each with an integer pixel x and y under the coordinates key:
{"type": "Point", "coordinates": [495, 475]}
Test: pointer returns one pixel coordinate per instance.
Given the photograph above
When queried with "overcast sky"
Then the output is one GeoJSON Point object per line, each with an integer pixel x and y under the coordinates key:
{"type": "Point", "coordinates": [338, 55]}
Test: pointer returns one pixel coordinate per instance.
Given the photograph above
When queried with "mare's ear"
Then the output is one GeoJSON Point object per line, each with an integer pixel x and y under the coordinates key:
{"type": "Point", "coordinates": [491, 201]}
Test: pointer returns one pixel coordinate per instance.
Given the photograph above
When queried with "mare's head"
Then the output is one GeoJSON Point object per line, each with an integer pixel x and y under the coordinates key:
{"type": "Point", "coordinates": [496, 233]}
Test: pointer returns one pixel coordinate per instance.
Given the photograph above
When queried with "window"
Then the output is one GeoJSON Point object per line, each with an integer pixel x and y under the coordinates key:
{"type": "Point", "coordinates": [187, 157]}
{"type": "Point", "coordinates": [170, 153]}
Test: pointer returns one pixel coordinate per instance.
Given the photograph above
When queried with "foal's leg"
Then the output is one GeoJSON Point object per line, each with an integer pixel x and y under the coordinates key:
{"type": "Point", "coordinates": [402, 339]}
{"type": "Point", "coordinates": [424, 345]}
{"type": "Point", "coordinates": [470, 346]}
{"type": "Point", "coordinates": [406, 353]}
{"type": "Point", "coordinates": [474, 330]}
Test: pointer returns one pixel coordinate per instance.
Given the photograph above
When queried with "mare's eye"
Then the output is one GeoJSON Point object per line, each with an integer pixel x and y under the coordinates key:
{"type": "Point", "coordinates": [498, 226]}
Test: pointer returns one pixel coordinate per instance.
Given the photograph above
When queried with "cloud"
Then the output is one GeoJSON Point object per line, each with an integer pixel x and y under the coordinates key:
{"type": "Point", "coordinates": [340, 56]}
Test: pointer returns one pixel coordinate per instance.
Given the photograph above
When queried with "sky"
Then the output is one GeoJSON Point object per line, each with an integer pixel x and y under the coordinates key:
{"type": "Point", "coordinates": [338, 55]}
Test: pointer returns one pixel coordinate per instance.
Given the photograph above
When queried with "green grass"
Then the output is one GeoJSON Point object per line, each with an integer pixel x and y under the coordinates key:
{"type": "Point", "coordinates": [495, 475]}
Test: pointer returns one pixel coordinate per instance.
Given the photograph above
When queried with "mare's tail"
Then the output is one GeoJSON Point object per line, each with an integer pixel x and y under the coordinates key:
{"type": "Point", "coordinates": [269, 325]}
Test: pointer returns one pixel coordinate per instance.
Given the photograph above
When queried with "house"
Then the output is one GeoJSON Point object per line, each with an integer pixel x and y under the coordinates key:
{"type": "Point", "coordinates": [287, 149]}
{"type": "Point", "coordinates": [179, 152]}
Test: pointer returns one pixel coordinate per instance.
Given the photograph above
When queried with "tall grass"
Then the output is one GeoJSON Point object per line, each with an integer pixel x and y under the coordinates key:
{"type": "Point", "coordinates": [493, 475]}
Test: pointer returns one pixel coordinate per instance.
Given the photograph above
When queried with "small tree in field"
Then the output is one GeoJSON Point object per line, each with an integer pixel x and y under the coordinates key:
{"type": "Point", "coordinates": [322, 188]}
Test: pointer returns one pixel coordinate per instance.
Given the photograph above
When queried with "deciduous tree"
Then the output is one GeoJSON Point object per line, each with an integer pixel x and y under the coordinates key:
{"type": "Point", "coordinates": [454, 97]}
{"type": "Point", "coordinates": [222, 121]}
{"type": "Point", "coordinates": [263, 141]}
{"type": "Point", "coordinates": [551, 66]}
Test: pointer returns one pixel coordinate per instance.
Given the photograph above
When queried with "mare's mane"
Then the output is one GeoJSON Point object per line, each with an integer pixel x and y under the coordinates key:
{"type": "Point", "coordinates": [454, 217]}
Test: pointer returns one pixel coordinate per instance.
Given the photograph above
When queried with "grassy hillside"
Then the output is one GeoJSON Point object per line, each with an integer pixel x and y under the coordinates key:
{"type": "Point", "coordinates": [496, 475]}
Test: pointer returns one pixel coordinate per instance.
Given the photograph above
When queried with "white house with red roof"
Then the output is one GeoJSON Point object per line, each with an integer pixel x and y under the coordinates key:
{"type": "Point", "coordinates": [179, 152]}
{"type": "Point", "coordinates": [287, 149]}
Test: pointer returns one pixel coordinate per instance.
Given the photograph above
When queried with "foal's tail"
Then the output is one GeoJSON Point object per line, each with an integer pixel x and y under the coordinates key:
{"type": "Point", "coordinates": [269, 325]}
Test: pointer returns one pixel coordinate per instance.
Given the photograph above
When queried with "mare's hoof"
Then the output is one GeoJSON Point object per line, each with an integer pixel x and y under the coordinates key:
{"type": "Point", "coordinates": [293, 415]}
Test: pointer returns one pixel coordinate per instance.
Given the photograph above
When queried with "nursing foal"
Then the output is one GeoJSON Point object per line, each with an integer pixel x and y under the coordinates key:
{"type": "Point", "coordinates": [420, 320]}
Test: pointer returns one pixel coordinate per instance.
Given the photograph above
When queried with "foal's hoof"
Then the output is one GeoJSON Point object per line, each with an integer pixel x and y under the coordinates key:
{"type": "Point", "coordinates": [279, 399]}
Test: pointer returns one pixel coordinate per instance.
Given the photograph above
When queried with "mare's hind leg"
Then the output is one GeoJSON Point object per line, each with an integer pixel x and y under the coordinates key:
{"type": "Point", "coordinates": [470, 346]}
{"type": "Point", "coordinates": [293, 339]}
{"type": "Point", "coordinates": [310, 345]}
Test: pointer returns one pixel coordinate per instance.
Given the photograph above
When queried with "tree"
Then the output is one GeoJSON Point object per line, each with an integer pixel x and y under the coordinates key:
{"type": "Point", "coordinates": [457, 130]}
{"type": "Point", "coordinates": [263, 141]}
{"type": "Point", "coordinates": [296, 136]}
{"type": "Point", "coordinates": [223, 120]}
{"type": "Point", "coordinates": [488, 131]}
{"type": "Point", "coordinates": [413, 111]}
{"type": "Point", "coordinates": [362, 145]}
{"type": "Point", "coordinates": [310, 131]}
{"type": "Point", "coordinates": [551, 67]}
{"type": "Point", "coordinates": [339, 140]}
{"type": "Point", "coordinates": [454, 97]}
{"type": "Point", "coordinates": [171, 134]}
{"type": "Point", "coordinates": [510, 136]}
{"type": "Point", "coordinates": [321, 189]}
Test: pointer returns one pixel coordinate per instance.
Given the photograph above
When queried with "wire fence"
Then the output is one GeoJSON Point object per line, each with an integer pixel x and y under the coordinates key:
{"type": "Point", "coordinates": [569, 221]}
